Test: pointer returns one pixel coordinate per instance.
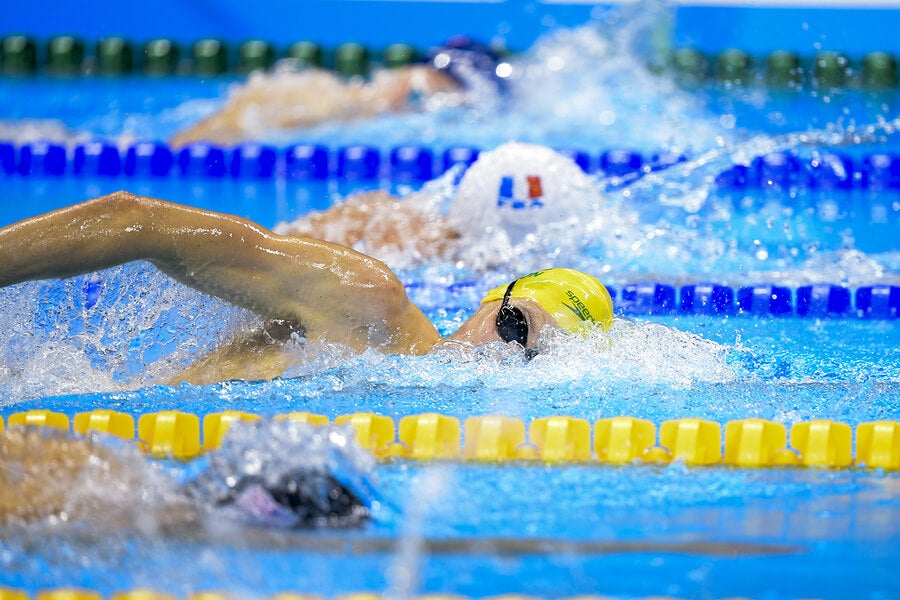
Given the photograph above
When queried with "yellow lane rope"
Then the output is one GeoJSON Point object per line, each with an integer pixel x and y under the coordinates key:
{"type": "Point", "coordinates": [496, 438]}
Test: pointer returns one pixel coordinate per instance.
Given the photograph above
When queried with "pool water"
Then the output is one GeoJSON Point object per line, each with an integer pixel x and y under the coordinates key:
{"type": "Point", "coordinates": [108, 340]}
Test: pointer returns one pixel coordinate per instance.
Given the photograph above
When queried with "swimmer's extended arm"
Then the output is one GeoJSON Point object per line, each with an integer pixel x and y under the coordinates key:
{"type": "Point", "coordinates": [284, 100]}
{"type": "Point", "coordinates": [335, 293]}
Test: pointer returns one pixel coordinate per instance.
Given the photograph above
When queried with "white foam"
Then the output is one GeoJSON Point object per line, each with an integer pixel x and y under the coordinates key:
{"type": "Point", "coordinates": [631, 351]}
{"type": "Point", "coordinates": [26, 131]}
{"type": "Point", "coordinates": [110, 490]}
{"type": "Point", "coordinates": [54, 368]}
{"type": "Point", "coordinates": [142, 330]}
{"type": "Point", "coordinates": [592, 86]}
{"type": "Point", "coordinates": [847, 267]}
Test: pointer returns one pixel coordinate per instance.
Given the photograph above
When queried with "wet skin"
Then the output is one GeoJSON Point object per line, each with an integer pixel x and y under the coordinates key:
{"type": "Point", "coordinates": [286, 100]}
{"type": "Point", "coordinates": [324, 291]}
{"type": "Point", "coordinates": [481, 327]}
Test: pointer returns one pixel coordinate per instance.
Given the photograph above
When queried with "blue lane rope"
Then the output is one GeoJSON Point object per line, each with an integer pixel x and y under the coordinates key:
{"type": "Point", "coordinates": [823, 300]}
{"type": "Point", "coordinates": [880, 301]}
{"type": "Point", "coordinates": [413, 164]}
{"type": "Point", "coordinates": [410, 164]}
{"type": "Point", "coordinates": [820, 300]}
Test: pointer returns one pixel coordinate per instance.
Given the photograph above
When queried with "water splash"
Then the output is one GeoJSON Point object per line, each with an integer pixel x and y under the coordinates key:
{"type": "Point", "coordinates": [287, 474]}
{"type": "Point", "coordinates": [25, 131]}
{"type": "Point", "coordinates": [73, 481]}
{"type": "Point", "coordinates": [596, 85]}
{"type": "Point", "coordinates": [122, 328]}
{"type": "Point", "coordinates": [632, 351]}
{"type": "Point", "coordinates": [672, 225]}
{"type": "Point", "coordinates": [112, 513]}
{"type": "Point", "coordinates": [427, 492]}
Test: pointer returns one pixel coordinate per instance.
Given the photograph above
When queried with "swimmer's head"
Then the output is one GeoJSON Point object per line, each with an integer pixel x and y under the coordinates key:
{"type": "Point", "coordinates": [574, 299]}
{"type": "Point", "coordinates": [464, 59]}
{"type": "Point", "coordinates": [519, 189]}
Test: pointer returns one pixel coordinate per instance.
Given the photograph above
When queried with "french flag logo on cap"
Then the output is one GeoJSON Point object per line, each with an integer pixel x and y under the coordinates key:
{"type": "Point", "coordinates": [506, 196]}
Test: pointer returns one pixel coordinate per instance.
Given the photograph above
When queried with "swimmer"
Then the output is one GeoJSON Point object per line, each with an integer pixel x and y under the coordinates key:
{"type": "Point", "coordinates": [378, 224]}
{"type": "Point", "coordinates": [299, 476]}
{"type": "Point", "coordinates": [303, 286]}
{"type": "Point", "coordinates": [511, 200]}
{"type": "Point", "coordinates": [287, 99]}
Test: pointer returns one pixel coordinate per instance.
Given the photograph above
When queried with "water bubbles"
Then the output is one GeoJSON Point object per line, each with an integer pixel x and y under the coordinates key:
{"type": "Point", "coordinates": [135, 333]}
{"type": "Point", "coordinates": [556, 62]}
{"type": "Point", "coordinates": [253, 462]}
{"type": "Point", "coordinates": [441, 60]}
{"type": "Point", "coordinates": [504, 70]}
{"type": "Point", "coordinates": [607, 117]}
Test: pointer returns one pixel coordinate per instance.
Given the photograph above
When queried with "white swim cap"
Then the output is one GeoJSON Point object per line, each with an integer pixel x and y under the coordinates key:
{"type": "Point", "coordinates": [519, 187]}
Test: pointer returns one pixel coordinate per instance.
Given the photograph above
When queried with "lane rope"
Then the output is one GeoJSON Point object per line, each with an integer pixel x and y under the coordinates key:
{"type": "Point", "coordinates": [826, 171]}
{"type": "Point", "coordinates": [814, 301]}
{"type": "Point", "coordinates": [621, 440]}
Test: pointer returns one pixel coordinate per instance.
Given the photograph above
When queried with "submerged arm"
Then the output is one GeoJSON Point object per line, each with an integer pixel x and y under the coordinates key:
{"type": "Point", "coordinates": [335, 293]}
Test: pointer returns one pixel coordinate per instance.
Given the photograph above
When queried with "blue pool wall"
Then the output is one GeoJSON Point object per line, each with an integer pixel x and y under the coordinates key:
{"type": "Point", "coordinates": [853, 27]}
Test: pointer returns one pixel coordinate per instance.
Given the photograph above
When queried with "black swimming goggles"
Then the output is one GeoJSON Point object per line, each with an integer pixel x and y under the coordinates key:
{"type": "Point", "coordinates": [512, 326]}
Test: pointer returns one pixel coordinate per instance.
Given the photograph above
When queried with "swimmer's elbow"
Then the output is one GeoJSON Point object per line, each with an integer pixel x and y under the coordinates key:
{"type": "Point", "coordinates": [127, 208]}
{"type": "Point", "coordinates": [133, 218]}
{"type": "Point", "coordinates": [119, 197]}
{"type": "Point", "coordinates": [127, 204]}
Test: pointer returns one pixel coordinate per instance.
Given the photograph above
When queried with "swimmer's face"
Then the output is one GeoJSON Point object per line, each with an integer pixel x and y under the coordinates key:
{"type": "Point", "coordinates": [481, 328]}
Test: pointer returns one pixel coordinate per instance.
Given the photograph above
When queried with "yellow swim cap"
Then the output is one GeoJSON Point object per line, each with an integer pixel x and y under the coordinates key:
{"type": "Point", "coordinates": [571, 297]}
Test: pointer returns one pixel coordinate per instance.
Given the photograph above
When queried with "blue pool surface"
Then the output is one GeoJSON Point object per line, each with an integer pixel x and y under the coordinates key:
{"type": "Point", "coordinates": [730, 213]}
